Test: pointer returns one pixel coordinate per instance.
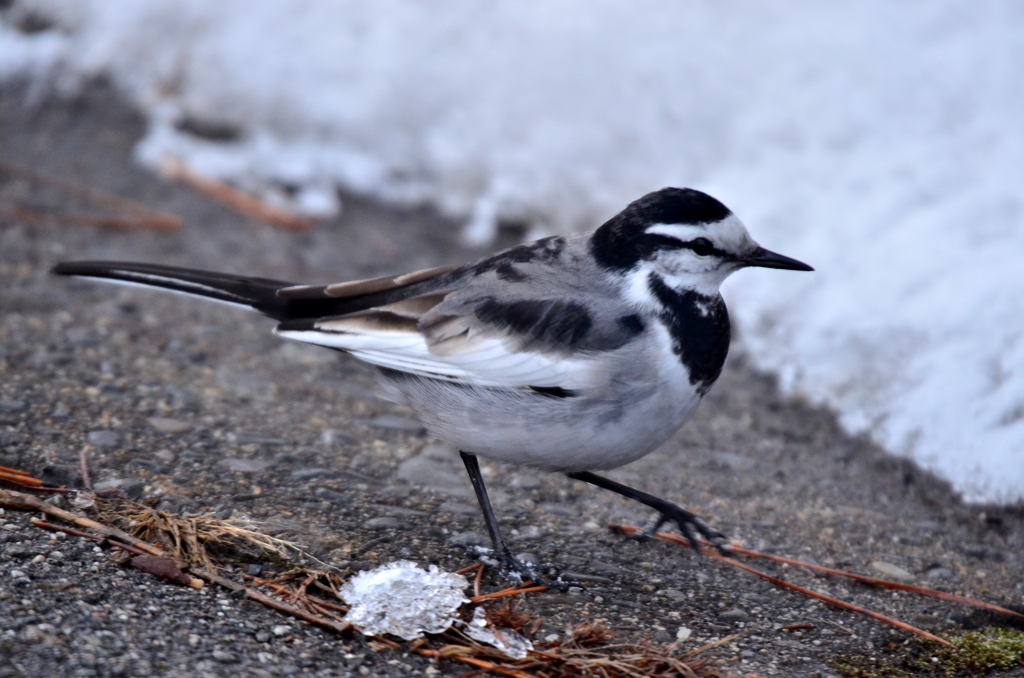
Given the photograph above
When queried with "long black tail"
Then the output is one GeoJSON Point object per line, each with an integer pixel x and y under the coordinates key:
{"type": "Point", "coordinates": [258, 293]}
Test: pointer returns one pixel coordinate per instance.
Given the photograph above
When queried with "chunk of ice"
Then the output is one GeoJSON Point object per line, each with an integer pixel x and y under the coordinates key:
{"type": "Point", "coordinates": [404, 600]}
{"type": "Point", "coordinates": [506, 640]}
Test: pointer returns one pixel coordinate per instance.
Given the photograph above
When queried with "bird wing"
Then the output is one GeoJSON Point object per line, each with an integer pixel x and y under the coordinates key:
{"type": "Point", "coordinates": [452, 348]}
{"type": "Point", "coordinates": [482, 330]}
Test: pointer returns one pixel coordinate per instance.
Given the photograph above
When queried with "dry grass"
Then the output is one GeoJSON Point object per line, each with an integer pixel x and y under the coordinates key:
{"type": "Point", "coordinates": [191, 537]}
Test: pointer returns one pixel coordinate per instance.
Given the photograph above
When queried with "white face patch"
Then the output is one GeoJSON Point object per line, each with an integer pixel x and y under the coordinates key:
{"type": "Point", "coordinates": [683, 268]}
{"type": "Point", "coordinates": [728, 235]}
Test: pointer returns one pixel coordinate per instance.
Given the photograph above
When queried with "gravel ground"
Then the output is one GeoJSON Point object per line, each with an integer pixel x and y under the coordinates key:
{"type": "Point", "coordinates": [200, 408]}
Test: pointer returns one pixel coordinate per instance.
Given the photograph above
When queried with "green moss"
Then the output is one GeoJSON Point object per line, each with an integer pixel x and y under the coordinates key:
{"type": "Point", "coordinates": [977, 652]}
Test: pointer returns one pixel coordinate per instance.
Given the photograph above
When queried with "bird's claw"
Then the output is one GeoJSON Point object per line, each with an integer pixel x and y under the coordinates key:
{"type": "Point", "coordinates": [691, 526]}
{"type": "Point", "coordinates": [519, 572]}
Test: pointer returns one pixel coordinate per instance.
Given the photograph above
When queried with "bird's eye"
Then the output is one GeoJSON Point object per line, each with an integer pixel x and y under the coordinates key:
{"type": "Point", "coordinates": [702, 247]}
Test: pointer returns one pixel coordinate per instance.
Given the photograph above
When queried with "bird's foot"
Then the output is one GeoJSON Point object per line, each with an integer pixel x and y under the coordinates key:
{"type": "Point", "coordinates": [519, 572]}
{"type": "Point", "coordinates": [691, 526]}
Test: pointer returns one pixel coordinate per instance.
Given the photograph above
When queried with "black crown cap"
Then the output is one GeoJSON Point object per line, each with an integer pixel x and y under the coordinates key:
{"type": "Point", "coordinates": [619, 243]}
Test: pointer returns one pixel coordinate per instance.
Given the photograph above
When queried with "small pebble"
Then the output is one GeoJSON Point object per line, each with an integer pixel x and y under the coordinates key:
{"type": "Point", "coordinates": [527, 557]}
{"type": "Point", "coordinates": [240, 465]}
{"type": "Point", "coordinates": [469, 539]}
{"type": "Point", "coordinates": [939, 574]}
{"type": "Point", "coordinates": [11, 406]}
{"type": "Point", "coordinates": [281, 630]}
{"type": "Point", "coordinates": [734, 615]}
{"type": "Point", "coordinates": [673, 594]}
{"type": "Point", "coordinates": [166, 425]}
{"type": "Point", "coordinates": [224, 657]}
{"type": "Point", "coordinates": [103, 438]}
{"type": "Point", "coordinates": [39, 559]}
{"type": "Point", "coordinates": [382, 523]}
{"type": "Point", "coordinates": [262, 636]}
{"type": "Point", "coordinates": [165, 456]}
{"type": "Point", "coordinates": [683, 633]}
{"type": "Point", "coordinates": [307, 473]}
{"type": "Point", "coordinates": [892, 571]}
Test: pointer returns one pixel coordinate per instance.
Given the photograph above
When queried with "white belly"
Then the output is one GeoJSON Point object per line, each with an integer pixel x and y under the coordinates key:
{"type": "Point", "coordinates": [642, 403]}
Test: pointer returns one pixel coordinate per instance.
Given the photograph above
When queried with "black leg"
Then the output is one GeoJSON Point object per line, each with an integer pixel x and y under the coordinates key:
{"type": "Point", "coordinates": [688, 523]}
{"type": "Point", "coordinates": [510, 565]}
{"type": "Point", "coordinates": [501, 550]}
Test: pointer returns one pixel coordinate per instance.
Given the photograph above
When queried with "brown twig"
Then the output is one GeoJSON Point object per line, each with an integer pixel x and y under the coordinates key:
{"type": "Point", "coordinates": [14, 472]}
{"type": "Point", "coordinates": [141, 215]}
{"type": "Point", "coordinates": [675, 539]}
{"type": "Point", "coordinates": [166, 568]}
{"type": "Point", "coordinates": [507, 592]}
{"type": "Point", "coordinates": [718, 643]}
{"type": "Point", "coordinates": [175, 168]}
{"type": "Point", "coordinates": [83, 458]}
{"type": "Point", "coordinates": [477, 579]}
{"type": "Point", "coordinates": [474, 661]}
{"type": "Point", "coordinates": [862, 579]}
{"type": "Point", "coordinates": [54, 527]}
{"type": "Point", "coordinates": [336, 626]}
{"type": "Point", "coordinates": [836, 602]}
{"type": "Point", "coordinates": [19, 479]}
{"type": "Point", "coordinates": [881, 583]}
{"type": "Point", "coordinates": [27, 502]}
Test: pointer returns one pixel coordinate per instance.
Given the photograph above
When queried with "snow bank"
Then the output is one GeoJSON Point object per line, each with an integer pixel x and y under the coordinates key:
{"type": "Point", "coordinates": [881, 142]}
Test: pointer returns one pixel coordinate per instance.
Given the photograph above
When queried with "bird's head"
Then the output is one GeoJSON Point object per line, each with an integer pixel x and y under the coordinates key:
{"type": "Point", "coordinates": [685, 237]}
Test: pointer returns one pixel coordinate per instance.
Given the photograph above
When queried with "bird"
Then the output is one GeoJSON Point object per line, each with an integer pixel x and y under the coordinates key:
{"type": "Point", "coordinates": [571, 354]}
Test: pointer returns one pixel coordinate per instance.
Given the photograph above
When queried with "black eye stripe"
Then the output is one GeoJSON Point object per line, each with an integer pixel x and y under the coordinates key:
{"type": "Point", "coordinates": [699, 246]}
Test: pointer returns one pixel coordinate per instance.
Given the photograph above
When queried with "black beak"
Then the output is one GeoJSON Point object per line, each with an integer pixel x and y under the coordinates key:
{"type": "Point", "coordinates": [768, 259]}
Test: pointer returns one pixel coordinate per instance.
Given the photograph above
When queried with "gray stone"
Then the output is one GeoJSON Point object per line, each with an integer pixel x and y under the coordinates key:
{"type": "Point", "coordinates": [434, 474]}
{"type": "Point", "coordinates": [939, 574]}
{"type": "Point", "coordinates": [103, 438]}
{"type": "Point", "coordinates": [525, 481]}
{"type": "Point", "coordinates": [383, 523]}
{"type": "Point", "coordinates": [224, 657]}
{"type": "Point", "coordinates": [673, 594]}
{"type": "Point", "coordinates": [11, 406]}
{"type": "Point", "coordinates": [469, 539]}
{"type": "Point", "coordinates": [312, 472]}
{"type": "Point", "coordinates": [166, 425]}
{"type": "Point", "coordinates": [459, 508]}
{"type": "Point", "coordinates": [734, 615]}
{"type": "Point", "coordinates": [21, 551]}
{"type": "Point", "coordinates": [528, 557]}
{"type": "Point", "coordinates": [891, 571]}
{"type": "Point", "coordinates": [241, 465]}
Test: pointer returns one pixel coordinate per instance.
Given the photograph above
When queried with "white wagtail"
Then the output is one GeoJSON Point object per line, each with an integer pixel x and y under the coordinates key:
{"type": "Point", "coordinates": [571, 353]}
